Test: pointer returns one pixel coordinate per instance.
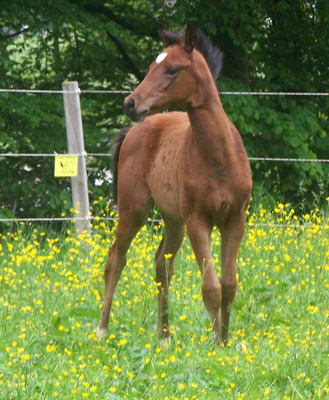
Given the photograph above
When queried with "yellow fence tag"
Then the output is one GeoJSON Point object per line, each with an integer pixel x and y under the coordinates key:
{"type": "Point", "coordinates": [66, 166]}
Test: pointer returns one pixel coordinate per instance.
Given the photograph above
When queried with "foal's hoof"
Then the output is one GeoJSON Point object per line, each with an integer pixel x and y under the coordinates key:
{"type": "Point", "coordinates": [101, 333]}
{"type": "Point", "coordinates": [241, 347]}
{"type": "Point", "coordinates": [165, 343]}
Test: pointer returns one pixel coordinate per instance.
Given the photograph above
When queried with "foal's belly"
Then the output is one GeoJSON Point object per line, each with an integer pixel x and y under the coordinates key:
{"type": "Point", "coordinates": [163, 181]}
{"type": "Point", "coordinates": [162, 159]}
{"type": "Point", "coordinates": [163, 176]}
{"type": "Point", "coordinates": [167, 199]}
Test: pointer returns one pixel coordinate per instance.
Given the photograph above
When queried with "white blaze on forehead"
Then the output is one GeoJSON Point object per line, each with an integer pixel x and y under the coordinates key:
{"type": "Point", "coordinates": [160, 58]}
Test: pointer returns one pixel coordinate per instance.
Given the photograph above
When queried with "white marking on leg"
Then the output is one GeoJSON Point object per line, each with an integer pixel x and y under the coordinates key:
{"type": "Point", "coordinates": [241, 347]}
{"type": "Point", "coordinates": [101, 333]}
{"type": "Point", "coordinates": [160, 58]}
{"type": "Point", "coordinates": [165, 343]}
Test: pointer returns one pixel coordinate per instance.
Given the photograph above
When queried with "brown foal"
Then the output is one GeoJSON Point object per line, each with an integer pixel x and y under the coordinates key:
{"type": "Point", "coordinates": [193, 165]}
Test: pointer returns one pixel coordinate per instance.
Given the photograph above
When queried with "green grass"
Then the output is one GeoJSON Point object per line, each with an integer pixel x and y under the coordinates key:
{"type": "Point", "coordinates": [51, 297]}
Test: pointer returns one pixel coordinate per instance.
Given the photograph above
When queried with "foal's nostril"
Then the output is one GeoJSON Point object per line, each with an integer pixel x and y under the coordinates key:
{"type": "Point", "coordinates": [133, 110]}
{"type": "Point", "coordinates": [131, 104]}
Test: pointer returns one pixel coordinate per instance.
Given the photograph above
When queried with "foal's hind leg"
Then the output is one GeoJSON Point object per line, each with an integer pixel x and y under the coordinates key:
{"type": "Point", "coordinates": [199, 233]}
{"type": "Point", "coordinates": [232, 234]}
{"type": "Point", "coordinates": [170, 243]}
{"type": "Point", "coordinates": [131, 219]}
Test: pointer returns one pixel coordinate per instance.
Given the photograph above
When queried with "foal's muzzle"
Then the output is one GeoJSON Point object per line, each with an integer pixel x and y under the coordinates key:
{"type": "Point", "coordinates": [132, 111]}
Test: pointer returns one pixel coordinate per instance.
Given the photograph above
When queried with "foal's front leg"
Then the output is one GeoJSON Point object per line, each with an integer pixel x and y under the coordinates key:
{"type": "Point", "coordinates": [232, 234]}
{"type": "Point", "coordinates": [199, 233]}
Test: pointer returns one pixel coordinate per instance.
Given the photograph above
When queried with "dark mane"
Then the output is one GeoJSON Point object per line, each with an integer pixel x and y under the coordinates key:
{"type": "Point", "coordinates": [212, 54]}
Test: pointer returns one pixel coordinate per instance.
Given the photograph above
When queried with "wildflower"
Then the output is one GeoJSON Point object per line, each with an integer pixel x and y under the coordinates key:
{"type": "Point", "coordinates": [168, 256]}
{"type": "Point", "coordinates": [68, 352]}
{"type": "Point", "coordinates": [51, 348]}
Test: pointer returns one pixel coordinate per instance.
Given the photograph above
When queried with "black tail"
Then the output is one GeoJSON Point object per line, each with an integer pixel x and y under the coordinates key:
{"type": "Point", "coordinates": [116, 146]}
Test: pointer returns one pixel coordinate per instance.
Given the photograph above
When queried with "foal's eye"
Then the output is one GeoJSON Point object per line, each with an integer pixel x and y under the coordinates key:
{"type": "Point", "coordinates": [171, 71]}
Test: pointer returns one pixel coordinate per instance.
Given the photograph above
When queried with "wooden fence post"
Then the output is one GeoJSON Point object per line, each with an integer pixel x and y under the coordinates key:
{"type": "Point", "coordinates": [75, 143]}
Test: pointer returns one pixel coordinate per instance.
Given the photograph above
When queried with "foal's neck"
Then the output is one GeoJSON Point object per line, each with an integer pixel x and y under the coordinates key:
{"type": "Point", "coordinates": [210, 125]}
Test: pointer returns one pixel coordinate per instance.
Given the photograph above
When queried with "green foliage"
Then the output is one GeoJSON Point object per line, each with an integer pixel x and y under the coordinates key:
{"type": "Point", "coordinates": [267, 46]}
{"type": "Point", "coordinates": [282, 127]}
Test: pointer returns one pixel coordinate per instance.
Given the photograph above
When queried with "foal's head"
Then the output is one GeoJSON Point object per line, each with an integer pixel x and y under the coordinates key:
{"type": "Point", "coordinates": [174, 78]}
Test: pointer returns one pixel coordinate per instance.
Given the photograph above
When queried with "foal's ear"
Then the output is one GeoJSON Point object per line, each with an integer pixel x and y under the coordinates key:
{"type": "Point", "coordinates": [169, 38]}
{"type": "Point", "coordinates": [190, 38]}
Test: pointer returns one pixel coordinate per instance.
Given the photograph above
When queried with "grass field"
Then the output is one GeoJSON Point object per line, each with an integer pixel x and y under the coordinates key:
{"type": "Point", "coordinates": [51, 292]}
